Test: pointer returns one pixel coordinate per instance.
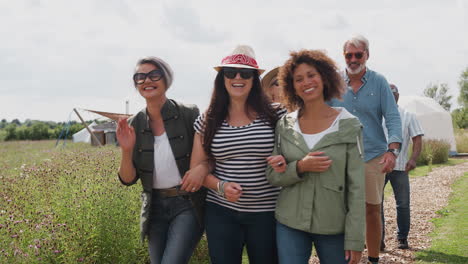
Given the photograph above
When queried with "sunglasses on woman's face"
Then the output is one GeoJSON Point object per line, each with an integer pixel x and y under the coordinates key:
{"type": "Point", "coordinates": [358, 55]}
{"type": "Point", "coordinates": [154, 76]}
{"type": "Point", "coordinates": [231, 73]}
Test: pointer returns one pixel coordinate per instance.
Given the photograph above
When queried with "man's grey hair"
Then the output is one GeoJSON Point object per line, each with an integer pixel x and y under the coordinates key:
{"type": "Point", "coordinates": [357, 41]}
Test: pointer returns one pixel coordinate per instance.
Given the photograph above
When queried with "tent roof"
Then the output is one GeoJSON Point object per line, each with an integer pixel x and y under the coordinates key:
{"type": "Point", "coordinates": [434, 119]}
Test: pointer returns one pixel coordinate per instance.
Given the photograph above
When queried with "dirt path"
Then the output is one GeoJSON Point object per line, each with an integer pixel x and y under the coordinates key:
{"type": "Point", "coordinates": [428, 195]}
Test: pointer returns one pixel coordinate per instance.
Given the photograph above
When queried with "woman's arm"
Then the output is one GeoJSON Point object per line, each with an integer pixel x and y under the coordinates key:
{"type": "Point", "coordinates": [126, 137]}
{"type": "Point", "coordinates": [200, 167]}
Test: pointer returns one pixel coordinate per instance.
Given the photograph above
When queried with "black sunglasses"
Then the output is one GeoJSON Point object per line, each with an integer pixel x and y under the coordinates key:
{"type": "Point", "coordinates": [154, 76]}
{"type": "Point", "coordinates": [231, 73]}
{"type": "Point", "coordinates": [350, 55]}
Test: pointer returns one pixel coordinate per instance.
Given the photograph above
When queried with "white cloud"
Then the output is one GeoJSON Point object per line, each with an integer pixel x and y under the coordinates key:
{"type": "Point", "coordinates": [56, 55]}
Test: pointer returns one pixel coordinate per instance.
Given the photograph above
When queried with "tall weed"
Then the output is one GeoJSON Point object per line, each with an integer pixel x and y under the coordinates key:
{"type": "Point", "coordinates": [66, 205]}
{"type": "Point", "coordinates": [461, 138]}
{"type": "Point", "coordinates": [434, 151]}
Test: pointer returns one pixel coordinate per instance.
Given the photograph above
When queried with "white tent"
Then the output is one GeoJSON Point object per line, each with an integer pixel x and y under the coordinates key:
{"type": "Point", "coordinates": [83, 135]}
{"type": "Point", "coordinates": [435, 120]}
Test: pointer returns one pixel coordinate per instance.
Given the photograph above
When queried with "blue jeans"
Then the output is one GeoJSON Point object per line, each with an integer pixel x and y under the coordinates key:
{"type": "Point", "coordinates": [228, 231]}
{"type": "Point", "coordinates": [401, 189]}
{"type": "Point", "coordinates": [174, 230]}
{"type": "Point", "coordinates": [295, 246]}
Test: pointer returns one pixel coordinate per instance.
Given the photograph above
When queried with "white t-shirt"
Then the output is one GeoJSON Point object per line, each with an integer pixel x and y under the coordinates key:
{"type": "Point", "coordinates": [165, 174]}
{"type": "Point", "coordinates": [312, 139]}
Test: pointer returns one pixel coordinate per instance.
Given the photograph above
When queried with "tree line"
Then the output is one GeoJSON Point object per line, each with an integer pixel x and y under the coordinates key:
{"type": "Point", "coordinates": [438, 92]}
{"type": "Point", "coordinates": [36, 130]}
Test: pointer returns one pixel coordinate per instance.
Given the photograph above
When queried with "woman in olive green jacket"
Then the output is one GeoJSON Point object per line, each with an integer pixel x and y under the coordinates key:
{"type": "Point", "coordinates": [318, 162]}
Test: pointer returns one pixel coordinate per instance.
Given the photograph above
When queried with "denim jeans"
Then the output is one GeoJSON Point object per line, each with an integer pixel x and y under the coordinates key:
{"type": "Point", "coordinates": [295, 246]}
{"type": "Point", "coordinates": [228, 231]}
{"type": "Point", "coordinates": [401, 189]}
{"type": "Point", "coordinates": [174, 230]}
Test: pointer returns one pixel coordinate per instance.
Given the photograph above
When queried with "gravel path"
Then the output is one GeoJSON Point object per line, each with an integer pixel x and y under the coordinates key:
{"type": "Point", "coordinates": [428, 195]}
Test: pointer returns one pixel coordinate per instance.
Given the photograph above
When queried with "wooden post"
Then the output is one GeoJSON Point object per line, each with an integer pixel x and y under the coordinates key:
{"type": "Point", "coordinates": [87, 128]}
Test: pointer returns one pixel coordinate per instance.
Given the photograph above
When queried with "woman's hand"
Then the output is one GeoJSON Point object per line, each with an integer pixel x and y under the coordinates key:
{"type": "Point", "coordinates": [314, 162]}
{"type": "Point", "coordinates": [125, 135]}
{"type": "Point", "coordinates": [277, 162]}
{"type": "Point", "coordinates": [232, 191]}
{"type": "Point", "coordinates": [193, 178]}
{"type": "Point", "coordinates": [353, 257]}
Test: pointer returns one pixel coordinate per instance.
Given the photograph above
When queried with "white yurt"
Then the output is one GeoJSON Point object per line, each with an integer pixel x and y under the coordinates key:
{"type": "Point", "coordinates": [435, 120]}
{"type": "Point", "coordinates": [83, 135]}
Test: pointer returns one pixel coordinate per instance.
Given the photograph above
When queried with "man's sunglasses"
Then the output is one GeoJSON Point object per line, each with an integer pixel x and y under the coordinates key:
{"type": "Point", "coordinates": [154, 76]}
{"type": "Point", "coordinates": [350, 55]}
{"type": "Point", "coordinates": [231, 73]}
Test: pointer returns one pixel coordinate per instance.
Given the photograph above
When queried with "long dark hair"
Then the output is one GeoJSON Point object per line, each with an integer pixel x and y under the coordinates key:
{"type": "Point", "coordinates": [217, 111]}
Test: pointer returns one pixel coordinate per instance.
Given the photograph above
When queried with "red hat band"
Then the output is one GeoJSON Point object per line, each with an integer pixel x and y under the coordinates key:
{"type": "Point", "coordinates": [240, 59]}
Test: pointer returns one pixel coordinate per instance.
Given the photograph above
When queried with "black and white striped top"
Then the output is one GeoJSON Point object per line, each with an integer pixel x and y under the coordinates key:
{"type": "Point", "coordinates": [240, 154]}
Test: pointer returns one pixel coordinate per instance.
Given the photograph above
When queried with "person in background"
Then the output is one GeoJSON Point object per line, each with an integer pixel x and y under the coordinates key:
{"type": "Point", "coordinates": [156, 145]}
{"type": "Point", "coordinates": [271, 86]}
{"type": "Point", "coordinates": [399, 178]}
{"type": "Point", "coordinates": [369, 98]}
{"type": "Point", "coordinates": [319, 164]}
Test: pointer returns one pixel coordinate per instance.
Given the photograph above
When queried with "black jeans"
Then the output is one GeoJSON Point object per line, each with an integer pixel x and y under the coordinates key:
{"type": "Point", "coordinates": [228, 231]}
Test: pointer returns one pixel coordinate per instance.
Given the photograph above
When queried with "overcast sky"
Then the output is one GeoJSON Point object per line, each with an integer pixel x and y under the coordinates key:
{"type": "Point", "coordinates": [57, 54]}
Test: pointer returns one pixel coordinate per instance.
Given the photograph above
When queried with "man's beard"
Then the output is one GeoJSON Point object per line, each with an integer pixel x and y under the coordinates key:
{"type": "Point", "coordinates": [357, 70]}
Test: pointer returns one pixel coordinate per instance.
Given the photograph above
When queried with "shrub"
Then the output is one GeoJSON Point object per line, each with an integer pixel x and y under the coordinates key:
{"type": "Point", "coordinates": [3, 135]}
{"type": "Point", "coordinates": [434, 151]}
{"type": "Point", "coordinates": [461, 138]}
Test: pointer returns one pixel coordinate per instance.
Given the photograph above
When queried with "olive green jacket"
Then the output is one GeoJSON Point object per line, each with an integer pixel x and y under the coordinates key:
{"type": "Point", "coordinates": [330, 202]}
{"type": "Point", "coordinates": [178, 123]}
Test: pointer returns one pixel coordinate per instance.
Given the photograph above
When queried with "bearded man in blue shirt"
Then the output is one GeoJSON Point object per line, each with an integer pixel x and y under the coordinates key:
{"type": "Point", "coordinates": [368, 97]}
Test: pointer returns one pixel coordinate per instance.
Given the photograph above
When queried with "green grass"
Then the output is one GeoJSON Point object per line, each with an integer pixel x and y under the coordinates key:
{"type": "Point", "coordinates": [450, 236]}
{"type": "Point", "coordinates": [66, 205]}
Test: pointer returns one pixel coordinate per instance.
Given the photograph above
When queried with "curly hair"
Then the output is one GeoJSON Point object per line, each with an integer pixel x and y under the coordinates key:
{"type": "Point", "coordinates": [333, 83]}
{"type": "Point", "coordinates": [257, 102]}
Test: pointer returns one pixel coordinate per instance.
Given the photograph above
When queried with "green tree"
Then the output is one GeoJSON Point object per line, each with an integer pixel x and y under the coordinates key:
{"type": "Point", "coordinates": [463, 83]}
{"type": "Point", "coordinates": [10, 132]}
{"type": "Point", "coordinates": [438, 92]}
{"type": "Point", "coordinates": [39, 131]}
{"type": "Point", "coordinates": [16, 121]}
{"type": "Point", "coordinates": [460, 117]}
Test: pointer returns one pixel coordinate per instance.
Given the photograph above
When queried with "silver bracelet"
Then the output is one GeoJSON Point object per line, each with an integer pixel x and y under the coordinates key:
{"type": "Point", "coordinates": [220, 187]}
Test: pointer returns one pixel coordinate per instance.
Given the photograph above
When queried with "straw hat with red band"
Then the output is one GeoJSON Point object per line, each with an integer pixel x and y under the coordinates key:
{"type": "Point", "coordinates": [243, 56]}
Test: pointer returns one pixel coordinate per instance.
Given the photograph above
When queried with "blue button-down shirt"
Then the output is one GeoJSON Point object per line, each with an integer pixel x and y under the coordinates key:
{"type": "Point", "coordinates": [373, 100]}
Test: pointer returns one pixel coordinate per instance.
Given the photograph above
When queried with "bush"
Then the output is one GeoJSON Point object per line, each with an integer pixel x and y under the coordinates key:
{"type": "Point", "coordinates": [3, 135]}
{"type": "Point", "coordinates": [461, 138]}
{"type": "Point", "coordinates": [434, 151]}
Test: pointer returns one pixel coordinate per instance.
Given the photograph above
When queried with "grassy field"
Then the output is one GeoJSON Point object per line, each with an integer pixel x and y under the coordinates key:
{"type": "Point", "coordinates": [450, 237]}
{"type": "Point", "coordinates": [66, 205]}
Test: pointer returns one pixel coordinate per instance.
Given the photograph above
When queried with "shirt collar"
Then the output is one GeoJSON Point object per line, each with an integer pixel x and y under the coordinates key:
{"type": "Point", "coordinates": [364, 78]}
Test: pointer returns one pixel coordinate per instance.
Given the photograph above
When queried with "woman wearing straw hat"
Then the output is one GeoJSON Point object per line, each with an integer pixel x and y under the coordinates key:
{"type": "Point", "coordinates": [318, 163]}
{"type": "Point", "coordinates": [156, 149]}
{"type": "Point", "coordinates": [236, 133]}
{"type": "Point", "coordinates": [271, 86]}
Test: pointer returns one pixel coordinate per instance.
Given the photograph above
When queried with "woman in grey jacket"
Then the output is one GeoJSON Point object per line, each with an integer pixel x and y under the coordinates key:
{"type": "Point", "coordinates": [318, 163]}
